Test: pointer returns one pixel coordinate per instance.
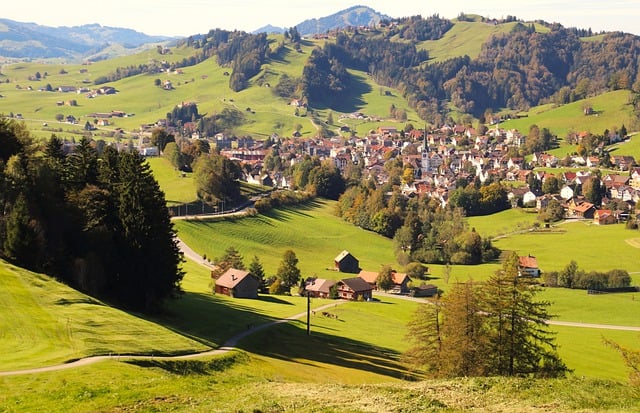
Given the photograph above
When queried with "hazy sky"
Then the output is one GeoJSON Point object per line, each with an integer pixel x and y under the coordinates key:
{"type": "Point", "coordinates": [186, 17]}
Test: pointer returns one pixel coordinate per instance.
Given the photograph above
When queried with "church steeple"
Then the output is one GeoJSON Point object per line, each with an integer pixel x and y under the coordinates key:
{"type": "Point", "coordinates": [424, 164]}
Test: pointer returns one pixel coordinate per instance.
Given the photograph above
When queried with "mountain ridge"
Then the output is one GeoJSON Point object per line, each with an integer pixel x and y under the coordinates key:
{"type": "Point", "coordinates": [31, 40]}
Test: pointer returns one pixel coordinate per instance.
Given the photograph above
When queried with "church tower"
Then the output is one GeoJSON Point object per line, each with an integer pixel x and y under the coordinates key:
{"type": "Point", "coordinates": [424, 164]}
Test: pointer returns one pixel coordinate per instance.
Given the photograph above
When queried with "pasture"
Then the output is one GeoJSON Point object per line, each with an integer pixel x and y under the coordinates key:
{"type": "Point", "coordinates": [611, 110]}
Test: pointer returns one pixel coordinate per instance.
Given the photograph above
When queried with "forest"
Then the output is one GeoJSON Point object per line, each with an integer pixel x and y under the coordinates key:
{"type": "Point", "coordinates": [96, 221]}
{"type": "Point", "coordinates": [515, 70]}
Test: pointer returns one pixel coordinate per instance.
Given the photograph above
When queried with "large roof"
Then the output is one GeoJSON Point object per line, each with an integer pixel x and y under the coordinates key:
{"type": "Point", "coordinates": [357, 284]}
{"type": "Point", "coordinates": [231, 278]}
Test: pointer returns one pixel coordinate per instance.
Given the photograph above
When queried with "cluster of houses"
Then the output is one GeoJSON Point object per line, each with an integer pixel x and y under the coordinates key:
{"type": "Point", "coordinates": [438, 162]}
{"type": "Point", "coordinates": [241, 284]}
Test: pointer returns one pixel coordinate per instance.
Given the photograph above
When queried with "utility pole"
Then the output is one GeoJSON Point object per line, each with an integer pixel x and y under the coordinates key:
{"type": "Point", "coordinates": [308, 313]}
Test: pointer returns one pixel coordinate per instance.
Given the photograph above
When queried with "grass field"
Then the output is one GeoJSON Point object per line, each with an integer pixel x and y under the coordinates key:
{"type": "Point", "coordinates": [311, 231]}
{"type": "Point", "coordinates": [612, 110]}
{"type": "Point", "coordinates": [280, 368]}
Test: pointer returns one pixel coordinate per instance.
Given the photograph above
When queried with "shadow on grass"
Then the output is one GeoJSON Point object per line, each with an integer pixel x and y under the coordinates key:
{"type": "Point", "coordinates": [212, 319]}
{"type": "Point", "coordinates": [273, 299]}
{"type": "Point", "coordinates": [290, 342]}
{"type": "Point", "coordinates": [351, 101]}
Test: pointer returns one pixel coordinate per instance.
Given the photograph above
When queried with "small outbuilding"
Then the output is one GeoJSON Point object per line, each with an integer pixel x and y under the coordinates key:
{"type": "Point", "coordinates": [345, 262]}
{"type": "Point", "coordinates": [528, 266]}
{"type": "Point", "coordinates": [237, 283]}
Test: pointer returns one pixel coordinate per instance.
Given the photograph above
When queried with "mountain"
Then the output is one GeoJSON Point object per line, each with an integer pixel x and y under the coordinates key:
{"type": "Point", "coordinates": [353, 16]}
{"type": "Point", "coordinates": [30, 40]}
{"type": "Point", "coordinates": [269, 29]}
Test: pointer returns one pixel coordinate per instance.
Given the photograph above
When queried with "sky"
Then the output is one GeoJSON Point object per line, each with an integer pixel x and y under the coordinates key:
{"type": "Point", "coordinates": [187, 17]}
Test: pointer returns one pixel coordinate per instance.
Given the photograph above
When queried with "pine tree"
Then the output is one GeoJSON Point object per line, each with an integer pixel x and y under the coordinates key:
{"type": "Point", "coordinates": [149, 270]}
{"type": "Point", "coordinates": [519, 342]}
{"type": "Point", "coordinates": [424, 332]}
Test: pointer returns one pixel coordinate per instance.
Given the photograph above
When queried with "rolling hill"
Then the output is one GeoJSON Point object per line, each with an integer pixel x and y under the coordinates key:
{"type": "Point", "coordinates": [29, 40]}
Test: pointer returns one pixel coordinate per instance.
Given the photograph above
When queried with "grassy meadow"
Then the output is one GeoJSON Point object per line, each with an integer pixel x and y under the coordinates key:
{"type": "Point", "coordinates": [281, 368]}
{"type": "Point", "coordinates": [612, 110]}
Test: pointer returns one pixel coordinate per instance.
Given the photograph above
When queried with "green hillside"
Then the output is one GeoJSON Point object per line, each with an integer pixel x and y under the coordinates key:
{"type": "Point", "coordinates": [206, 84]}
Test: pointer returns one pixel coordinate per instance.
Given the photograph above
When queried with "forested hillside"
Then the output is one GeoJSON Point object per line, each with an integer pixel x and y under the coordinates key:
{"type": "Point", "coordinates": [515, 70]}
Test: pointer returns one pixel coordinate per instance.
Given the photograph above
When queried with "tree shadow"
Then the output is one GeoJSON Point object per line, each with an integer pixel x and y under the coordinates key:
{"type": "Point", "coordinates": [352, 100]}
{"type": "Point", "coordinates": [289, 342]}
{"type": "Point", "coordinates": [273, 299]}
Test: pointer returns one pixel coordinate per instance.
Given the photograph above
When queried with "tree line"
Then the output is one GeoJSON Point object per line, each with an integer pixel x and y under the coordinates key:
{"type": "Point", "coordinates": [97, 221]}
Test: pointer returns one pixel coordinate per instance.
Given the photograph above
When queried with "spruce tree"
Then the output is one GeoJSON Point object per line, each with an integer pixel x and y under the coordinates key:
{"type": "Point", "coordinates": [149, 270]}
{"type": "Point", "coordinates": [519, 340]}
{"type": "Point", "coordinates": [19, 234]}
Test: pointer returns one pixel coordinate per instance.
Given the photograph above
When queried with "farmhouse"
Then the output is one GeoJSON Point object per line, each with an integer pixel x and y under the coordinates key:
{"type": "Point", "coordinates": [354, 289]}
{"type": "Point", "coordinates": [319, 287]}
{"type": "Point", "coordinates": [237, 283]}
{"type": "Point", "coordinates": [400, 281]}
{"type": "Point", "coordinates": [603, 217]}
{"type": "Point", "coordinates": [345, 262]}
{"type": "Point", "coordinates": [528, 266]}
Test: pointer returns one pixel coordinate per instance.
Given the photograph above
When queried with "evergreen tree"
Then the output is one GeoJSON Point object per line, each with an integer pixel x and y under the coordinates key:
{"type": "Point", "coordinates": [230, 259]}
{"type": "Point", "coordinates": [149, 269]}
{"type": "Point", "coordinates": [82, 165]}
{"type": "Point", "coordinates": [256, 269]}
{"type": "Point", "coordinates": [20, 236]}
{"type": "Point", "coordinates": [519, 342]}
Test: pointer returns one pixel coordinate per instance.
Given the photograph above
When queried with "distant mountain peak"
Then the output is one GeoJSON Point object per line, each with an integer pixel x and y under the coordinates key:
{"type": "Point", "coordinates": [352, 16]}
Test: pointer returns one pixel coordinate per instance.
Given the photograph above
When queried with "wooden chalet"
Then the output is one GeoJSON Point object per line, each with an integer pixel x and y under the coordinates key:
{"type": "Point", "coordinates": [319, 287]}
{"type": "Point", "coordinates": [345, 262]}
{"type": "Point", "coordinates": [604, 217]}
{"type": "Point", "coordinates": [400, 281]}
{"type": "Point", "coordinates": [237, 283]}
{"type": "Point", "coordinates": [354, 289]}
{"type": "Point", "coordinates": [528, 267]}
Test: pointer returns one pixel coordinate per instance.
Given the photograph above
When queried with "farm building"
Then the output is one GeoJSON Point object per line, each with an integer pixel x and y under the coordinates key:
{"type": "Point", "coordinates": [400, 281]}
{"type": "Point", "coordinates": [354, 289]}
{"type": "Point", "coordinates": [604, 217]}
{"type": "Point", "coordinates": [237, 283]}
{"type": "Point", "coordinates": [319, 287]}
{"type": "Point", "coordinates": [528, 266]}
{"type": "Point", "coordinates": [424, 290]}
{"type": "Point", "coordinates": [345, 262]}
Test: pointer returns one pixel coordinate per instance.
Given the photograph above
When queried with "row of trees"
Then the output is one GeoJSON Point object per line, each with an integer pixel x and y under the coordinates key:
{"type": "Point", "coordinates": [97, 221]}
{"type": "Point", "coordinates": [494, 328]}
{"type": "Point", "coordinates": [573, 277]}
